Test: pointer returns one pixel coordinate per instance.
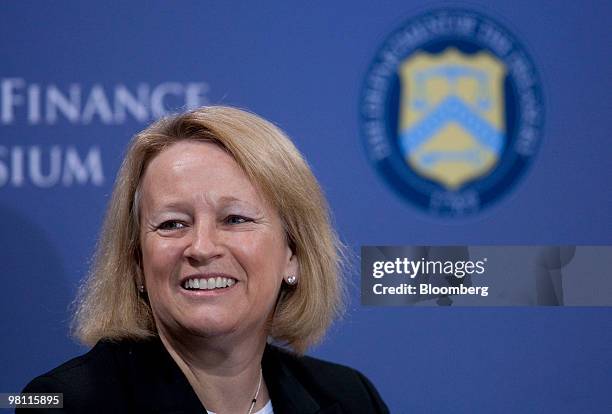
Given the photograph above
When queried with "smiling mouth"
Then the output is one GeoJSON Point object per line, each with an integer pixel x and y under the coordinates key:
{"type": "Point", "coordinates": [211, 283]}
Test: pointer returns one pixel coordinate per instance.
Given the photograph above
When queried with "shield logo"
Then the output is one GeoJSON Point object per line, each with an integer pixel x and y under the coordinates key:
{"type": "Point", "coordinates": [451, 119]}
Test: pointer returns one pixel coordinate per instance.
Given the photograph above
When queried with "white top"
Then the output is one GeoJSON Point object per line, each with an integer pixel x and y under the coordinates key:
{"type": "Point", "coordinates": [267, 409]}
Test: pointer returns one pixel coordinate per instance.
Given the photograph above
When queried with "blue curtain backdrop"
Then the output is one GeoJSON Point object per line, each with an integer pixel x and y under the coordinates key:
{"type": "Point", "coordinates": [302, 65]}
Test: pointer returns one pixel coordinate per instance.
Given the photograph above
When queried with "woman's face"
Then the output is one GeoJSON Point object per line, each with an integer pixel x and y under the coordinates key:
{"type": "Point", "coordinates": [202, 219]}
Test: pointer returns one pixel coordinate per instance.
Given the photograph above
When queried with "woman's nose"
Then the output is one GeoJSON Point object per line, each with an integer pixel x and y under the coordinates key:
{"type": "Point", "coordinates": [204, 243]}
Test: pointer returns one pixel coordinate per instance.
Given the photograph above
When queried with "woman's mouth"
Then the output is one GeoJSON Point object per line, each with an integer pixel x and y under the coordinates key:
{"type": "Point", "coordinates": [210, 283]}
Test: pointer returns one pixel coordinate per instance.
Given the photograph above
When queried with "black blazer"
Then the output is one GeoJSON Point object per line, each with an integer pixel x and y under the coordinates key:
{"type": "Point", "coordinates": [142, 377]}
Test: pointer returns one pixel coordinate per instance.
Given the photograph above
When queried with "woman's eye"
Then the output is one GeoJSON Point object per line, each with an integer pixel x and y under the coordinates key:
{"type": "Point", "coordinates": [171, 225]}
{"type": "Point", "coordinates": [233, 219]}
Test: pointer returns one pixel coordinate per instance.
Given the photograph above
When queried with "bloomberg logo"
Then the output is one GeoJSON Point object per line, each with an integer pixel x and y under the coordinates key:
{"type": "Point", "coordinates": [38, 104]}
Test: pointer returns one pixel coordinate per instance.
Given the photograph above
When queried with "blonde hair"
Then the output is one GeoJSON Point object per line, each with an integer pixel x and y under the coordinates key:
{"type": "Point", "coordinates": [109, 305]}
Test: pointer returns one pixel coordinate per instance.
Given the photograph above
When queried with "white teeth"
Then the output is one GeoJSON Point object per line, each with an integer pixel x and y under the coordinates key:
{"type": "Point", "coordinates": [209, 284]}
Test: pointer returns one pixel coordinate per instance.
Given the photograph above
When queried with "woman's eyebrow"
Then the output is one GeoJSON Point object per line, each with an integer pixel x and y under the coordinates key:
{"type": "Point", "coordinates": [229, 199]}
{"type": "Point", "coordinates": [179, 205]}
{"type": "Point", "coordinates": [170, 205]}
{"type": "Point", "coordinates": [225, 200]}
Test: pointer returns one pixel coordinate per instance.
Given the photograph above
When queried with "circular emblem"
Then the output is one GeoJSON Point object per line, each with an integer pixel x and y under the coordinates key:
{"type": "Point", "coordinates": [451, 111]}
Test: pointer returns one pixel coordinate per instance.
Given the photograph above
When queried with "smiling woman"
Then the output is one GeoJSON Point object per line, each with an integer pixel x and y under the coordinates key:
{"type": "Point", "coordinates": [205, 225]}
{"type": "Point", "coordinates": [217, 268]}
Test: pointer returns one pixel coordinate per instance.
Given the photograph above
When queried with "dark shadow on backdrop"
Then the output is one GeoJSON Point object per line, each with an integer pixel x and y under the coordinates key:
{"type": "Point", "coordinates": [33, 303]}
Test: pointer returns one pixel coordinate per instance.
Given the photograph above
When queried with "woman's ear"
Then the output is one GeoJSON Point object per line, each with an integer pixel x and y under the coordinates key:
{"type": "Point", "coordinates": [291, 275]}
{"type": "Point", "coordinates": [139, 279]}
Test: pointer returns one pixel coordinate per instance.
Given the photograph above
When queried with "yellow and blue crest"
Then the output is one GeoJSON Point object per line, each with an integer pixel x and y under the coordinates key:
{"type": "Point", "coordinates": [451, 111]}
{"type": "Point", "coordinates": [451, 115]}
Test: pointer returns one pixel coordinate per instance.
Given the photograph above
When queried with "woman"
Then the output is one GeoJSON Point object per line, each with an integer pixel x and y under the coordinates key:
{"type": "Point", "coordinates": [217, 242]}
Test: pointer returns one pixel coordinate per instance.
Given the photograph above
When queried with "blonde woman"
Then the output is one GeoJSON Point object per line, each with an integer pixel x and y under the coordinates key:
{"type": "Point", "coordinates": [216, 269]}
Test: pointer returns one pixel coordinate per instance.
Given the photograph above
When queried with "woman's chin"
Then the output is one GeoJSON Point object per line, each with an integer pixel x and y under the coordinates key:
{"type": "Point", "coordinates": [209, 326]}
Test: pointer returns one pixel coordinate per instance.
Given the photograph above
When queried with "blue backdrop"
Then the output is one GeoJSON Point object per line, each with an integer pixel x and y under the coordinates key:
{"type": "Point", "coordinates": [80, 78]}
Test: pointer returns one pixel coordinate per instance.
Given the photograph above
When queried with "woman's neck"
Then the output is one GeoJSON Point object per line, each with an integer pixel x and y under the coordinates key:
{"type": "Point", "coordinates": [223, 376]}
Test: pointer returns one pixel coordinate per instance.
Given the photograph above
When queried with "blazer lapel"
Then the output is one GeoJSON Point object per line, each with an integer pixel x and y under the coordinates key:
{"type": "Point", "coordinates": [158, 384]}
{"type": "Point", "coordinates": [287, 392]}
